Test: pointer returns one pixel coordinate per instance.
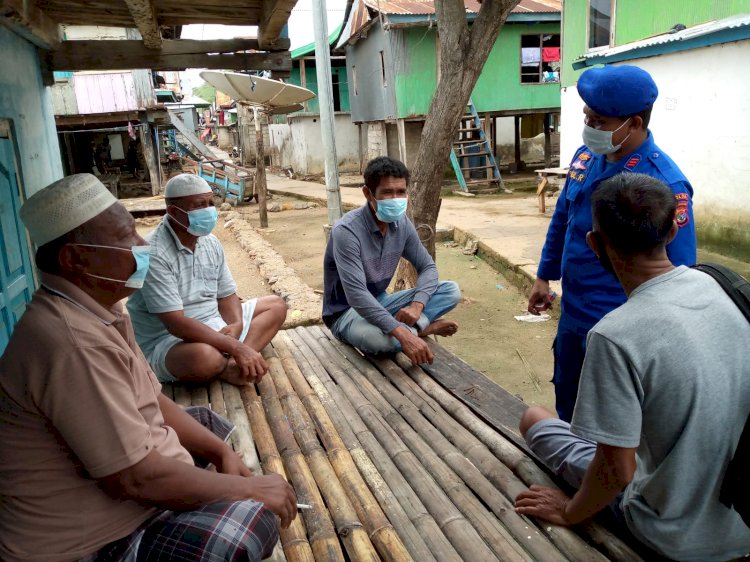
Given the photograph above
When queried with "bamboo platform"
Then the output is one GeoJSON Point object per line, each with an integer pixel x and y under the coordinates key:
{"type": "Point", "coordinates": [399, 463]}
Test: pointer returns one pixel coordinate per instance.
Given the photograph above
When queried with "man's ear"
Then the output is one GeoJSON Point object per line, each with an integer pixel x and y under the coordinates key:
{"type": "Point", "coordinates": [636, 122]}
{"type": "Point", "coordinates": [366, 192]}
{"type": "Point", "coordinates": [69, 259]}
{"type": "Point", "coordinates": [593, 242]}
{"type": "Point", "coordinates": [672, 232]}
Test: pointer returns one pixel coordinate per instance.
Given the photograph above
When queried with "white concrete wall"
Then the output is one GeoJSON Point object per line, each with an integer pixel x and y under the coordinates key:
{"type": "Point", "coordinates": [298, 145]}
{"type": "Point", "coordinates": [700, 119]}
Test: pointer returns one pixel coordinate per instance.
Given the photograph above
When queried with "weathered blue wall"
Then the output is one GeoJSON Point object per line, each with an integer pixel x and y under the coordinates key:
{"type": "Point", "coordinates": [369, 98]}
{"type": "Point", "coordinates": [25, 100]}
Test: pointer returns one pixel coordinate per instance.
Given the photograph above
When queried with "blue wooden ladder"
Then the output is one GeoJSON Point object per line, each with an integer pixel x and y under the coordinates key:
{"type": "Point", "coordinates": [475, 151]}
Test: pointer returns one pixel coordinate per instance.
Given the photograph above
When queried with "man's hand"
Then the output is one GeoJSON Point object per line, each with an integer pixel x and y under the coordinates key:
{"type": "Point", "coordinates": [413, 346]}
{"type": "Point", "coordinates": [545, 503]}
{"type": "Point", "coordinates": [410, 314]}
{"type": "Point", "coordinates": [250, 363]}
{"type": "Point", "coordinates": [232, 330]}
{"type": "Point", "coordinates": [231, 463]}
{"type": "Point", "coordinates": [540, 298]}
{"type": "Point", "coordinates": [277, 495]}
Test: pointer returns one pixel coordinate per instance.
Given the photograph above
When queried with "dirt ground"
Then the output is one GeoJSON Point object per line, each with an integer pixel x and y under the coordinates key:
{"type": "Point", "coordinates": [489, 338]}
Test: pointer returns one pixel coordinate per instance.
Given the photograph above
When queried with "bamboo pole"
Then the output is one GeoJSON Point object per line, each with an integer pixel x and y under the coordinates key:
{"type": "Point", "coordinates": [167, 390]}
{"type": "Point", "coordinates": [348, 425]}
{"type": "Point", "coordinates": [510, 455]}
{"type": "Point", "coordinates": [216, 399]}
{"type": "Point", "coordinates": [569, 543]}
{"type": "Point", "coordinates": [294, 539]}
{"type": "Point", "coordinates": [349, 526]}
{"type": "Point", "coordinates": [456, 527]}
{"type": "Point", "coordinates": [451, 470]}
{"type": "Point", "coordinates": [199, 395]}
{"type": "Point", "coordinates": [322, 535]}
{"type": "Point", "coordinates": [433, 534]}
{"type": "Point", "coordinates": [182, 395]}
{"type": "Point", "coordinates": [314, 422]}
{"type": "Point", "coordinates": [242, 432]}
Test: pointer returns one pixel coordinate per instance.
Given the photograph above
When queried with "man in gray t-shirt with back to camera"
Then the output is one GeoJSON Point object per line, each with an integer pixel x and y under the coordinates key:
{"type": "Point", "coordinates": [663, 397]}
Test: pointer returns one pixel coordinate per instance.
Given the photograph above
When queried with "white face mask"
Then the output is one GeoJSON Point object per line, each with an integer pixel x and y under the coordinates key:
{"type": "Point", "coordinates": [600, 142]}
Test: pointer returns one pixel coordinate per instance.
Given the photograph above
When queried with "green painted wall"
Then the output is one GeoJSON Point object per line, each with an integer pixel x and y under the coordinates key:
{"type": "Point", "coordinates": [499, 86]}
{"type": "Point", "coordinates": [638, 19]}
{"type": "Point", "coordinates": [415, 70]}
{"type": "Point", "coordinates": [338, 75]}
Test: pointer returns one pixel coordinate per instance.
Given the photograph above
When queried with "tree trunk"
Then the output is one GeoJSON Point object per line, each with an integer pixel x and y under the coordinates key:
{"type": "Point", "coordinates": [463, 52]}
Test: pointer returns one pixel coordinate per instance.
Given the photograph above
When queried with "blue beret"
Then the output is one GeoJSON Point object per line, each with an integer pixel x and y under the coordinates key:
{"type": "Point", "coordinates": [617, 91]}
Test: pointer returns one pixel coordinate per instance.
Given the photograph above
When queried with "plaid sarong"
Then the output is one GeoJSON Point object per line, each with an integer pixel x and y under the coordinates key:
{"type": "Point", "coordinates": [221, 531]}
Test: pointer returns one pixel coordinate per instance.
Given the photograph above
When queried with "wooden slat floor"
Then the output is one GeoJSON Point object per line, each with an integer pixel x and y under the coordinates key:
{"type": "Point", "coordinates": [399, 463]}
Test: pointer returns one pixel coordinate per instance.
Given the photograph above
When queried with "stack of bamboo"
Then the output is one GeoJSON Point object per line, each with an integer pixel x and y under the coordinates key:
{"type": "Point", "coordinates": [395, 467]}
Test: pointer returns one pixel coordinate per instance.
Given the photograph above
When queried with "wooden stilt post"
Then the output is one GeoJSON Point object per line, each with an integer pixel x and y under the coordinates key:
{"type": "Point", "coordinates": [547, 140]}
{"type": "Point", "coordinates": [150, 152]}
{"type": "Point", "coordinates": [400, 127]}
{"type": "Point", "coordinates": [260, 169]}
{"type": "Point", "coordinates": [517, 130]}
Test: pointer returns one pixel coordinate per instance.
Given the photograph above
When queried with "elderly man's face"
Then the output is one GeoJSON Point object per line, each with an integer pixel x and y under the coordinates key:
{"type": "Point", "coordinates": [97, 250]}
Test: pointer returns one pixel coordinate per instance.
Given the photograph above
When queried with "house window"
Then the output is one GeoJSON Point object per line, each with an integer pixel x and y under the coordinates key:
{"type": "Point", "coordinates": [600, 23]}
{"type": "Point", "coordinates": [354, 79]}
{"type": "Point", "coordinates": [382, 69]}
{"type": "Point", "coordinates": [540, 58]}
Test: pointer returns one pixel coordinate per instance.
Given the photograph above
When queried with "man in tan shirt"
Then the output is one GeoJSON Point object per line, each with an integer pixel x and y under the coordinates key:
{"type": "Point", "coordinates": [94, 460]}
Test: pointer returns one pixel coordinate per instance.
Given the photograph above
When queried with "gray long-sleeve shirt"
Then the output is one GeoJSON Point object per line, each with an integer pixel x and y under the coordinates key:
{"type": "Point", "coordinates": [360, 262]}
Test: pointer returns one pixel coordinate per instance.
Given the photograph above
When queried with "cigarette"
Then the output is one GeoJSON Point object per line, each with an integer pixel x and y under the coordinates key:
{"type": "Point", "coordinates": [304, 506]}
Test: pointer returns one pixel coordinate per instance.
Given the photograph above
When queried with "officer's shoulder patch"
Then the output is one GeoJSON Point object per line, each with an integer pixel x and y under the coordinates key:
{"type": "Point", "coordinates": [682, 214]}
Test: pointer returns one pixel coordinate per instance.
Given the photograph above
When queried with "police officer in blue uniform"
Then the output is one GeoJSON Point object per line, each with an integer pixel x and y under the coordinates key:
{"type": "Point", "coordinates": [616, 140]}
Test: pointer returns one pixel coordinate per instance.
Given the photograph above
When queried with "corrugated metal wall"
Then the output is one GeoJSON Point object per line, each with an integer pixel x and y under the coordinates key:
{"type": "Point", "coordinates": [371, 97]}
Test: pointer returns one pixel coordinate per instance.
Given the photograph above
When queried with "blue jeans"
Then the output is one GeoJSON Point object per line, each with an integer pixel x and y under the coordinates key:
{"type": "Point", "coordinates": [352, 328]}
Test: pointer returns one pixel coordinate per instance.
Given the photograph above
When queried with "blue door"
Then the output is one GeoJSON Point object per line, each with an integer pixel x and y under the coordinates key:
{"type": "Point", "coordinates": [16, 275]}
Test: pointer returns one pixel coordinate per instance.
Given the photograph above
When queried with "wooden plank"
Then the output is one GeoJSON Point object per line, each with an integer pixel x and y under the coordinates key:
{"type": "Point", "coordinates": [273, 18]}
{"type": "Point", "coordinates": [144, 16]}
{"type": "Point", "coordinates": [149, 151]}
{"type": "Point", "coordinates": [487, 399]}
{"type": "Point", "coordinates": [125, 55]}
{"type": "Point", "coordinates": [31, 23]}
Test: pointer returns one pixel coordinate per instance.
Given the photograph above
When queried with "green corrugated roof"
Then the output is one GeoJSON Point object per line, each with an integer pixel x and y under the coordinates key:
{"type": "Point", "coordinates": [310, 48]}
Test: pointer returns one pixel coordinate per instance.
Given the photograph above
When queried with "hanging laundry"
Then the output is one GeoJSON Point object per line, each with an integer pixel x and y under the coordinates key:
{"type": "Point", "coordinates": [550, 54]}
{"type": "Point", "coordinates": [531, 56]}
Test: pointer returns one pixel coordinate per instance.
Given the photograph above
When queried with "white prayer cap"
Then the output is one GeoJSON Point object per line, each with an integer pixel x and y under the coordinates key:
{"type": "Point", "coordinates": [184, 185]}
{"type": "Point", "coordinates": [64, 205]}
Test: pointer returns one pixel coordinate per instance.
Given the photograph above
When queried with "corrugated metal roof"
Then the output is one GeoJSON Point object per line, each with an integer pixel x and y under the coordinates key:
{"type": "Point", "coordinates": [700, 30]}
{"type": "Point", "coordinates": [424, 7]}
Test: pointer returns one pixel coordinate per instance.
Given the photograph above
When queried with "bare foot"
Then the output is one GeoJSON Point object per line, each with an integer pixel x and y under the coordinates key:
{"type": "Point", "coordinates": [441, 327]}
{"type": "Point", "coordinates": [232, 374]}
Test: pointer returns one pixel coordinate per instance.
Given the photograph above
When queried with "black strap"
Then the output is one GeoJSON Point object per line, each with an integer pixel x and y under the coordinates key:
{"type": "Point", "coordinates": [734, 284]}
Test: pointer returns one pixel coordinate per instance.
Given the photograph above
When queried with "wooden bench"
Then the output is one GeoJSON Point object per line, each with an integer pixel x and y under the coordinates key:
{"type": "Point", "coordinates": [545, 178]}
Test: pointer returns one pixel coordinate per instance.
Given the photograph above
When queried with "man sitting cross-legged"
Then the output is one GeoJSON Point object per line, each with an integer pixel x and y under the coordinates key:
{"type": "Point", "coordinates": [95, 462]}
{"type": "Point", "coordinates": [664, 392]}
{"type": "Point", "coordinates": [360, 261]}
{"type": "Point", "coordinates": [188, 318]}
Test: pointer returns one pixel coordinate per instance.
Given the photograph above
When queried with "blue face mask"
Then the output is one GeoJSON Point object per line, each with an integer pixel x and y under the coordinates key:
{"type": "Point", "coordinates": [600, 142]}
{"type": "Point", "coordinates": [200, 221]}
{"type": "Point", "coordinates": [141, 255]}
{"type": "Point", "coordinates": [390, 210]}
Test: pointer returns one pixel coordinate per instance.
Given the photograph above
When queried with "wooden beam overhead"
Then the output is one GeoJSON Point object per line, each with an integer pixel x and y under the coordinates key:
{"type": "Point", "coordinates": [176, 54]}
{"type": "Point", "coordinates": [274, 17]}
{"type": "Point", "coordinates": [31, 23]}
{"type": "Point", "coordinates": [144, 16]}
